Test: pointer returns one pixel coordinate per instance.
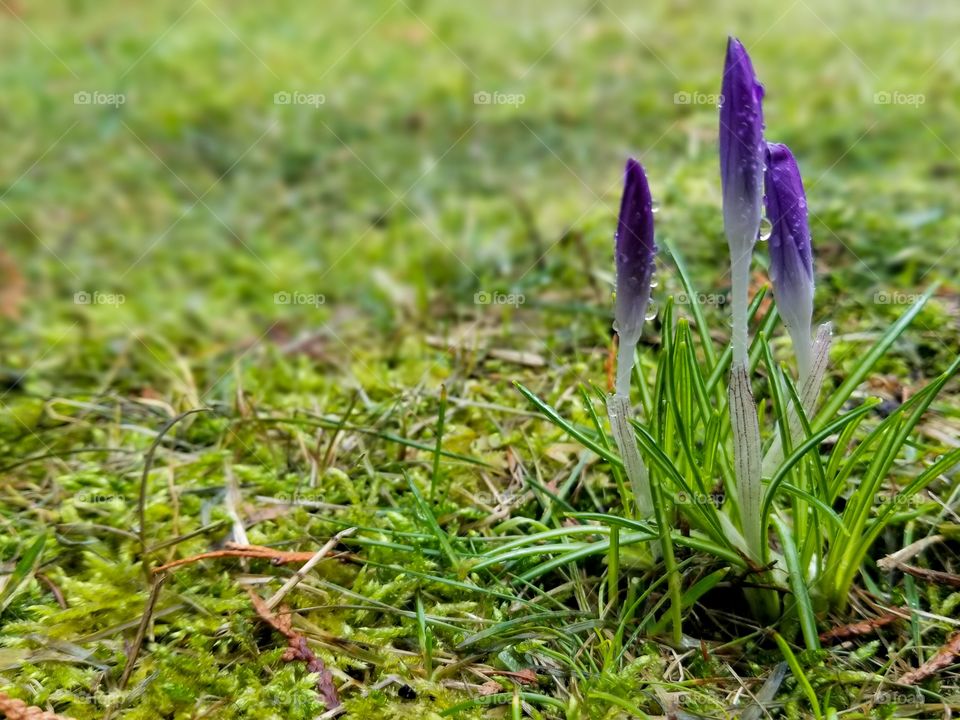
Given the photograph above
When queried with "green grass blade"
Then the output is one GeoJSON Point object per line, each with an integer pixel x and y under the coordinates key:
{"type": "Point", "coordinates": [838, 397]}
{"type": "Point", "coordinates": [799, 675]}
{"type": "Point", "coordinates": [22, 572]}
{"type": "Point", "coordinates": [430, 519]}
{"type": "Point", "coordinates": [571, 430]}
{"type": "Point", "coordinates": [798, 585]}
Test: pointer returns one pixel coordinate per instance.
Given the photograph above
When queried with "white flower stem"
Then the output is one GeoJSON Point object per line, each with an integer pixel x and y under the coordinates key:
{"type": "Point", "coordinates": [739, 287]}
{"type": "Point", "coordinates": [625, 352]}
{"type": "Point", "coordinates": [619, 412]}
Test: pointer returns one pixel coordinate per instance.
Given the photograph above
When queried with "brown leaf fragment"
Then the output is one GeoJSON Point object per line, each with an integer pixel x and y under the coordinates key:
{"type": "Point", "coordinates": [491, 687]}
{"type": "Point", "coordinates": [864, 627]}
{"type": "Point", "coordinates": [944, 657]}
{"type": "Point", "coordinates": [524, 677]}
{"type": "Point", "coordinates": [14, 709]}
{"type": "Point", "coordinates": [297, 648]}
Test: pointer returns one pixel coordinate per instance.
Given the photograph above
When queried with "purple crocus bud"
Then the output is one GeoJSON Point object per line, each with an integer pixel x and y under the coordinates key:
{"type": "Point", "coordinates": [791, 258]}
{"type": "Point", "coordinates": [741, 147]}
{"type": "Point", "coordinates": [741, 174]}
{"type": "Point", "coordinates": [634, 251]}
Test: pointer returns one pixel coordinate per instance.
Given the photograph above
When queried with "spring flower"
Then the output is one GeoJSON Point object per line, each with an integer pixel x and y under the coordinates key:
{"type": "Point", "coordinates": [741, 174]}
{"type": "Point", "coordinates": [634, 251]}
{"type": "Point", "coordinates": [791, 259]}
{"type": "Point", "coordinates": [742, 153]}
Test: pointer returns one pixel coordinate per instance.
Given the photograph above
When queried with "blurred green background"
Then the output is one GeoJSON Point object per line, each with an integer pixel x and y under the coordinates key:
{"type": "Point", "coordinates": [385, 188]}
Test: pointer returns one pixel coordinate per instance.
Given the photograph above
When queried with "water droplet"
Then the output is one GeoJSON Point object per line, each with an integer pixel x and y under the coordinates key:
{"type": "Point", "coordinates": [654, 206]}
{"type": "Point", "coordinates": [766, 228]}
{"type": "Point", "coordinates": [654, 282]}
{"type": "Point", "coordinates": [651, 311]}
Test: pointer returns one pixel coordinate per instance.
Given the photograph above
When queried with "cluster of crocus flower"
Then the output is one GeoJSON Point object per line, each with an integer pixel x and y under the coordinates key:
{"type": "Point", "coordinates": [754, 174]}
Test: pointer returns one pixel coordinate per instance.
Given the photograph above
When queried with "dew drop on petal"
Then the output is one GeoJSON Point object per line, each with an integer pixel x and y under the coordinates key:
{"type": "Point", "coordinates": [651, 311]}
{"type": "Point", "coordinates": [766, 228]}
{"type": "Point", "coordinates": [654, 206]}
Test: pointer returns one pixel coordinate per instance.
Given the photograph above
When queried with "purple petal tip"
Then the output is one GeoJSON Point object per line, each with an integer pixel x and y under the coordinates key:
{"type": "Point", "coordinates": [634, 250]}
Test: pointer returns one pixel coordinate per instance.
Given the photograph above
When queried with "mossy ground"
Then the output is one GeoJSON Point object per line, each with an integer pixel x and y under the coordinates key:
{"type": "Point", "coordinates": [394, 203]}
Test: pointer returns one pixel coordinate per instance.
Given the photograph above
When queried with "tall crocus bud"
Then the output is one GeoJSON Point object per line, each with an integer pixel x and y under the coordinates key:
{"type": "Point", "coordinates": [791, 259]}
{"type": "Point", "coordinates": [741, 175]}
{"type": "Point", "coordinates": [634, 250]}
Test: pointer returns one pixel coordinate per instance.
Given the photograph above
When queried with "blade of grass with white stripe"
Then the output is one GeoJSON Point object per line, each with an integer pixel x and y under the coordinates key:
{"type": "Point", "coordinates": [798, 585]}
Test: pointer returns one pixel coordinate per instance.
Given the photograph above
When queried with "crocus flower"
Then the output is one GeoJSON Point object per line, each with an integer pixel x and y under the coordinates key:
{"type": "Point", "coordinates": [741, 175]}
{"type": "Point", "coordinates": [741, 146]}
{"type": "Point", "coordinates": [634, 250]}
{"type": "Point", "coordinates": [791, 259]}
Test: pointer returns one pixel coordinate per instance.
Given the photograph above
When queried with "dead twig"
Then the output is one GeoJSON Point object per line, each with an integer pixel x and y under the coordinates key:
{"type": "Point", "coordinates": [277, 557]}
{"type": "Point", "coordinates": [944, 657]}
{"type": "Point", "coordinates": [864, 627]}
{"type": "Point", "coordinates": [898, 558]}
{"type": "Point", "coordinates": [297, 648]}
{"type": "Point", "coordinates": [142, 629]}
{"type": "Point", "coordinates": [302, 572]}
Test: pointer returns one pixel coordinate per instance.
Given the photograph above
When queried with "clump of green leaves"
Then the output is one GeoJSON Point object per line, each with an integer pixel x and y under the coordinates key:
{"type": "Point", "coordinates": [823, 504]}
